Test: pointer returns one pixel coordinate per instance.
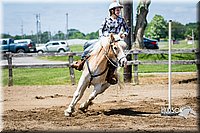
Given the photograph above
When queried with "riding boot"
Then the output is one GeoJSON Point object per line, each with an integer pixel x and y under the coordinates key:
{"type": "Point", "coordinates": [79, 64]}
{"type": "Point", "coordinates": [111, 77]}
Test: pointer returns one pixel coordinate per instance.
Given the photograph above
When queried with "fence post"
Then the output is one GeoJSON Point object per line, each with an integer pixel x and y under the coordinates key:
{"type": "Point", "coordinates": [10, 72]}
{"type": "Point", "coordinates": [71, 70]}
{"type": "Point", "coordinates": [136, 81]}
{"type": "Point", "coordinates": [128, 16]}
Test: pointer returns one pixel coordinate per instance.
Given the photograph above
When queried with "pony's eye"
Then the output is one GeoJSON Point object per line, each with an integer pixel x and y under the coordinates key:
{"type": "Point", "coordinates": [115, 48]}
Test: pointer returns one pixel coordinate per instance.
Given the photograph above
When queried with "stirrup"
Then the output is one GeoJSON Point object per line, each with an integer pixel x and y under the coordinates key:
{"type": "Point", "coordinates": [79, 64]}
{"type": "Point", "coordinates": [112, 81]}
{"type": "Point", "coordinates": [76, 65]}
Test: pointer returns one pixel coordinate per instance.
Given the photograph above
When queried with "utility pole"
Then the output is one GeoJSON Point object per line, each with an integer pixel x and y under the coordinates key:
{"type": "Point", "coordinates": [128, 16]}
{"type": "Point", "coordinates": [38, 27]}
{"type": "Point", "coordinates": [32, 34]}
{"type": "Point", "coordinates": [66, 37]}
{"type": "Point", "coordinates": [49, 35]}
{"type": "Point", "coordinates": [22, 30]}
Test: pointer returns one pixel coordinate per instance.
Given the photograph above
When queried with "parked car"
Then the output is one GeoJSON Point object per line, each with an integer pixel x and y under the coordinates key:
{"type": "Point", "coordinates": [8, 45]}
{"type": "Point", "coordinates": [150, 43]}
{"type": "Point", "coordinates": [31, 45]}
{"type": "Point", "coordinates": [5, 44]}
{"type": "Point", "coordinates": [54, 46]}
{"type": "Point", "coordinates": [175, 41]}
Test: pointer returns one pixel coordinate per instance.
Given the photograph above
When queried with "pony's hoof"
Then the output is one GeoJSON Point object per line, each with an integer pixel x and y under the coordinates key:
{"type": "Point", "coordinates": [68, 113]}
{"type": "Point", "coordinates": [83, 109]}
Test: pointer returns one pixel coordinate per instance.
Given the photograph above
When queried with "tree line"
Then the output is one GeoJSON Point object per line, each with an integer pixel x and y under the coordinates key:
{"type": "Point", "coordinates": [47, 36]}
{"type": "Point", "coordinates": [157, 29]}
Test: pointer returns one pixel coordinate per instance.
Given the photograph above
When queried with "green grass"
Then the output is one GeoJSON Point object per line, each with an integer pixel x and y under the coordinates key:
{"type": "Point", "coordinates": [182, 45]}
{"type": "Point", "coordinates": [164, 68]}
{"type": "Point", "coordinates": [58, 58]}
{"type": "Point", "coordinates": [165, 57]}
{"type": "Point", "coordinates": [76, 48]}
{"type": "Point", "coordinates": [61, 76]}
{"type": "Point", "coordinates": [141, 57]}
{"type": "Point", "coordinates": [40, 76]}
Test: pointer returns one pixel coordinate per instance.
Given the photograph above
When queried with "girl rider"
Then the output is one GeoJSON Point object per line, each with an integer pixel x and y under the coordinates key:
{"type": "Point", "coordinates": [113, 24]}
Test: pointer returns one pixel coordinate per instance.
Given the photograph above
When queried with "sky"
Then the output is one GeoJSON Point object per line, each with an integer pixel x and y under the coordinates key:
{"type": "Point", "coordinates": [84, 15]}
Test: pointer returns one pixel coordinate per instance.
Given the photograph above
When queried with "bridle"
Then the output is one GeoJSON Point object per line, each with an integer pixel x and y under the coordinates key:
{"type": "Point", "coordinates": [111, 61]}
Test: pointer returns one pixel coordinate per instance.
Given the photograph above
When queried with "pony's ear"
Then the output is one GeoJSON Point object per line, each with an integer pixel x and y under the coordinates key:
{"type": "Point", "coordinates": [112, 39]}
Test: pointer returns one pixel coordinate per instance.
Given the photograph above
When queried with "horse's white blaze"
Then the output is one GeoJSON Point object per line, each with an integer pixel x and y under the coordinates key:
{"type": "Point", "coordinates": [121, 55]}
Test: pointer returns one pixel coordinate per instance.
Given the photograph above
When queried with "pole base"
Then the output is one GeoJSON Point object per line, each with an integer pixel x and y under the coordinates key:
{"type": "Point", "coordinates": [169, 114]}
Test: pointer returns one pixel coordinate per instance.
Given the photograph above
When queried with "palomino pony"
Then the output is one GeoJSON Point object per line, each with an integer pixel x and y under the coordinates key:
{"type": "Point", "coordinates": [108, 50]}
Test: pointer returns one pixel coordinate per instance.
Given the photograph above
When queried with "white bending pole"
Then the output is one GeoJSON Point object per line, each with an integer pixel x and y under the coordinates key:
{"type": "Point", "coordinates": [169, 68]}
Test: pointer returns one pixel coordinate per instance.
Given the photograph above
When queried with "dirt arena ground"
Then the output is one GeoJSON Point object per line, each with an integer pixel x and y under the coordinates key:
{"type": "Point", "coordinates": [132, 108]}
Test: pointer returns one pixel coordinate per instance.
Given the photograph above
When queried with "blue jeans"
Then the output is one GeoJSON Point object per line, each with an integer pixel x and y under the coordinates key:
{"type": "Point", "coordinates": [88, 47]}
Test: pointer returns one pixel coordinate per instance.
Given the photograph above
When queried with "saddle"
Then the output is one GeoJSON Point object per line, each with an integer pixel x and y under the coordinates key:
{"type": "Point", "coordinates": [110, 78]}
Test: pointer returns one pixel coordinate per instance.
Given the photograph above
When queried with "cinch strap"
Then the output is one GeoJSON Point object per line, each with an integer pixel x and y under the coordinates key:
{"type": "Point", "coordinates": [92, 75]}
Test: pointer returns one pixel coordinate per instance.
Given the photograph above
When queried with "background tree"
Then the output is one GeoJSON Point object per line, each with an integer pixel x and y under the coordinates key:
{"type": "Point", "coordinates": [191, 27]}
{"type": "Point", "coordinates": [18, 37]}
{"type": "Point", "coordinates": [92, 35]}
{"type": "Point", "coordinates": [59, 36]}
{"type": "Point", "coordinates": [157, 28]}
{"type": "Point", "coordinates": [74, 34]}
{"type": "Point", "coordinates": [178, 30]}
{"type": "Point", "coordinates": [45, 37]}
{"type": "Point", "coordinates": [141, 22]}
{"type": "Point", "coordinates": [6, 36]}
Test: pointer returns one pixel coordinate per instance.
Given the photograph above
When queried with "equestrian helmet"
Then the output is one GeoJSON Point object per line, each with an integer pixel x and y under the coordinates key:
{"type": "Point", "coordinates": [115, 5]}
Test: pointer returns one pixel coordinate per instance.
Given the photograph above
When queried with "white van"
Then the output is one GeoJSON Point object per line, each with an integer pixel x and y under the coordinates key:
{"type": "Point", "coordinates": [54, 46]}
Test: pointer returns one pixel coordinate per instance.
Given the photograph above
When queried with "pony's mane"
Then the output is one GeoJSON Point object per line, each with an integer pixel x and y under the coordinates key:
{"type": "Point", "coordinates": [103, 41]}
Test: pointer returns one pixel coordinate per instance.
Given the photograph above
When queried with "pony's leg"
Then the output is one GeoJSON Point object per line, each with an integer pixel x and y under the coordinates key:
{"type": "Point", "coordinates": [98, 89]}
{"type": "Point", "coordinates": [82, 85]}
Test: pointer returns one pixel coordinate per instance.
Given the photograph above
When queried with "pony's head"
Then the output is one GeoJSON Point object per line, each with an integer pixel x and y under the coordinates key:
{"type": "Point", "coordinates": [116, 49]}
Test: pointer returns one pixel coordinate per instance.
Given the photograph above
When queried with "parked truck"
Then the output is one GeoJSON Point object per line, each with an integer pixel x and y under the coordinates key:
{"type": "Point", "coordinates": [17, 46]}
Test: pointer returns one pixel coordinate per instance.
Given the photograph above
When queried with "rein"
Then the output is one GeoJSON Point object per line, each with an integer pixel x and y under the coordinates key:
{"type": "Point", "coordinates": [111, 61]}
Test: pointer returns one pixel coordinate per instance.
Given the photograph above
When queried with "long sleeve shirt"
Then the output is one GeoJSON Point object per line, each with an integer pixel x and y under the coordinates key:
{"type": "Point", "coordinates": [115, 26]}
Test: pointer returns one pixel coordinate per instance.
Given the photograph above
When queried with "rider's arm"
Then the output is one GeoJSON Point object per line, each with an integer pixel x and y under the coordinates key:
{"type": "Point", "coordinates": [126, 28]}
{"type": "Point", "coordinates": [102, 28]}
